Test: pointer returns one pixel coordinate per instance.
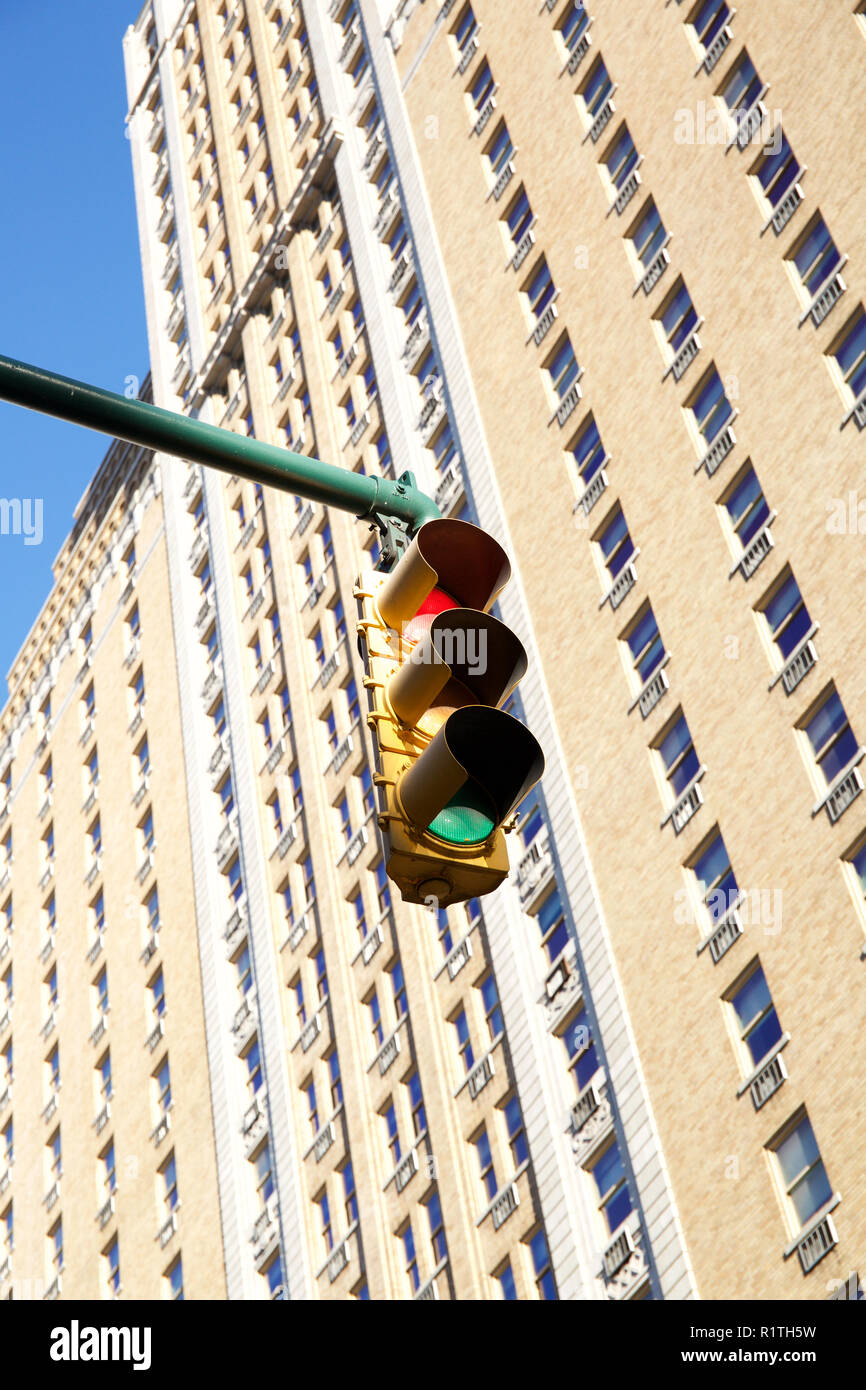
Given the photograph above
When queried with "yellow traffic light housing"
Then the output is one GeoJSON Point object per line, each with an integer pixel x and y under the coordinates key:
{"type": "Point", "coordinates": [451, 765]}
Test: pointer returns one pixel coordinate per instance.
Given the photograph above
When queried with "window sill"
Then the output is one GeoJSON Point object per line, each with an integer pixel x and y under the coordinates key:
{"type": "Point", "coordinates": [798, 651]}
{"type": "Point", "coordinates": [512, 1182]}
{"type": "Point", "coordinates": [655, 270]}
{"type": "Point", "coordinates": [809, 312]}
{"type": "Point", "coordinates": [837, 783]}
{"type": "Point", "coordinates": [743, 119]}
{"type": "Point", "coordinates": [820, 1215]}
{"type": "Point", "coordinates": [680, 363]}
{"type": "Point", "coordinates": [746, 566]}
{"type": "Point", "coordinates": [647, 685]}
{"type": "Point", "coordinates": [786, 207]}
{"type": "Point", "coordinates": [764, 1062]}
{"type": "Point", "coordinates": [614, 596]}
{"type": "Point", "coordinates": [683, 797]}
{"type": "Point", "coordinates": [857, 412]}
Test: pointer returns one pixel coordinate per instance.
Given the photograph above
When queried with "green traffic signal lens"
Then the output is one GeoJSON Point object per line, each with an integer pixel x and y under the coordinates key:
{"type": "Point", "coordinates": [468, 819]}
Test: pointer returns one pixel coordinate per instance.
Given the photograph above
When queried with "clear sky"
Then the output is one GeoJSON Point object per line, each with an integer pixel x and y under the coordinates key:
{"type": "Point", "coordinates": [71, 296]}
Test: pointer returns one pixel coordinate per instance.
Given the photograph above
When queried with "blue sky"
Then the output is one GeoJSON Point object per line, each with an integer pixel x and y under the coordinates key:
{"type": "Point", "coordinates": [71, 297]}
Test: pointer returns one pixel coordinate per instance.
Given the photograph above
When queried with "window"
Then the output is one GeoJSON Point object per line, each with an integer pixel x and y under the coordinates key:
{"type": "Point", "coordinates": [142, 754]}
{"type": "Point", "coordinates": [235, 881]}
{"type": "Point", "coordinates": [582, 1058]}
{"type": "Point", "coordinates": [157, 994]}
{"type": "Point", "coordinates": [331, 726]}
{"type": "Point", "coordinates": [746, 507]}
{"type": "Point", "coordinates": [588, 451]}
{"type": "Point", "coordinates": [757, 1025]}
{"type": "Point", "coordinates": [383, 892]}
{"type": "Point", "coordinates": [676, 318]}
{"type": "Point", "coordinates": [336, 1084]}
{"type": "Point", "coordinates": [615, 544]}
{"type": "Point", "coordinates": [507, 1287]}
{"type": "Point", "coordinates": [715, 879]}
{"type": "Point", "coordinates": [101, 987]}
{"type": "Point", "coordinates": [398, 984]}
{"type": "Point", "coordinates": [410, 1258]}
{"type": "Point", "coordinates": [137, 689]}
{"type": "Point", "coordinates": [109, 1169]}
{"type": "Point", "coordinates": [539, 291]}
{"type": "Point", "coordinates": [285, 705]}
{"type": "Point", "coordinates": [464, 30]}
{"type": "Point", "coordinates": [437, 1228]}
{"type": "Point", "coordinates": [742, 87]}
{"type": "Point", "coordinates": [787, 616]}
{"type": "Point", "coordinates": [645, 646]}
{"type": "Point", "coordinates": [443, 929]}
{"type": "Point", "coordinates": [563, 369]}
{"type": "Point", "coordinates": [710, 406]}
{"type": "Point", "coordinates": [51, 988]}
{"type": "Point", "coordinates": [831, 737]}
{"type": "Point", "coordinates": [151, 907]}
{"type": "Point", "coordinates": [92, 770]}
{"type": "Point", "coordinates": [416, 1104]}
{"type": "Point", "coordinates": [573, 25]}
{"type": "Point", "coordinates": [243, 966]}
{"type": "Point", "coordinates": [499, 151]}
{"type": "Point", "coordinates": [803, 1175]}
{"type": "Point", "coordinates": [253, 1059]}
{"type": "Point", "coordinates": [678, 756]}
{"type": "Point", "coordinates": [309, 1090]}
{"type": "Point", "coordinates": [112, 1266]}
{"type": "Point", "coordinates": [264, 1174]}
{"type": "Point", "coordinates": [552, 925]}
{"type": "Point", "coordinates": [104, 1069]}
{"type": "Point", "coordinates": [8, 1230]}
{"type": "Point", "coordinates": [849, 354]}
{"type": "Point", "coordinates": [596, 90]}
{"type": "Point", "coordinates": [321, 975]}
{"type": "Point", "coordinates": [814, 257]}
{"type": "Point", "coordinates": [174, 1281]}
{"type": "Point", "coordinates": [776, 172]}
{"type": "Point", "coordinates": [7, 1136]}
{"type": "Point", "coordinates": [357, 903]}
{"type": "Point", "coordinates": [389, 1115]}
{"type": "Point", "coordinates": [518, 219]}
{"type": "Point", "coordinates": [53, 1068]}
{"type": "Point", "coordinates": [492, 1011]}
{"type": "Point", "coordinates": [708, 22]}
{"type": "Point", "coordinates": [482, 88]}
{"type": "Point", "coordinates": [350, 1198]}
{"type": "Point", "coordinates": [613, 1195]}
{"type": "Point", "coordinates": [485, 1164]}
{"type": "Point", "coordinates": [516, 1131]}
{"type": "Point", "coordinates": [55, 1155]}
{"type": "Point", "coordinates": [648, 235]}
{"type": "Point", "coordinates": [163, 1088]}
{"type": "Point", "coordinates": [620, 159]}
{"type": "Point", "coordinates": [309, 882]}
{"type": "Point", "coordinates": [544, 1281]}
{"type": "Point", "coordinates": [464, 1044]}
{"type": "Point", "coordinates": [55, 1246]}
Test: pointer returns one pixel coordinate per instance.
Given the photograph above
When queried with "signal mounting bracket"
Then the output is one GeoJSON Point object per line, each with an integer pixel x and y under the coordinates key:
{"type": "Point", "coordinates": [395, 533]}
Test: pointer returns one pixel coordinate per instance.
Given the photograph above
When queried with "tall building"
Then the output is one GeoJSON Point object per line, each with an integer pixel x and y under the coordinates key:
{"type": "Point", "coordinates": [593, 277]}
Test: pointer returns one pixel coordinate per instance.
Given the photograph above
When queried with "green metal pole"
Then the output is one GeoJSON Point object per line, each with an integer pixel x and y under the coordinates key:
{"type": "Point", "coordinates": [154, 428]}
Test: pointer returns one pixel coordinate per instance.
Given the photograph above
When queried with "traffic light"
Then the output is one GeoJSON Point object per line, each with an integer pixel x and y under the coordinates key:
{"type": "Point", "coordinates": [451, 765]}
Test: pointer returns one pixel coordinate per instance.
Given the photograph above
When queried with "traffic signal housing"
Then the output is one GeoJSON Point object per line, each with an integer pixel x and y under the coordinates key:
{"type": "Point", "coordinates": [451, 765]}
